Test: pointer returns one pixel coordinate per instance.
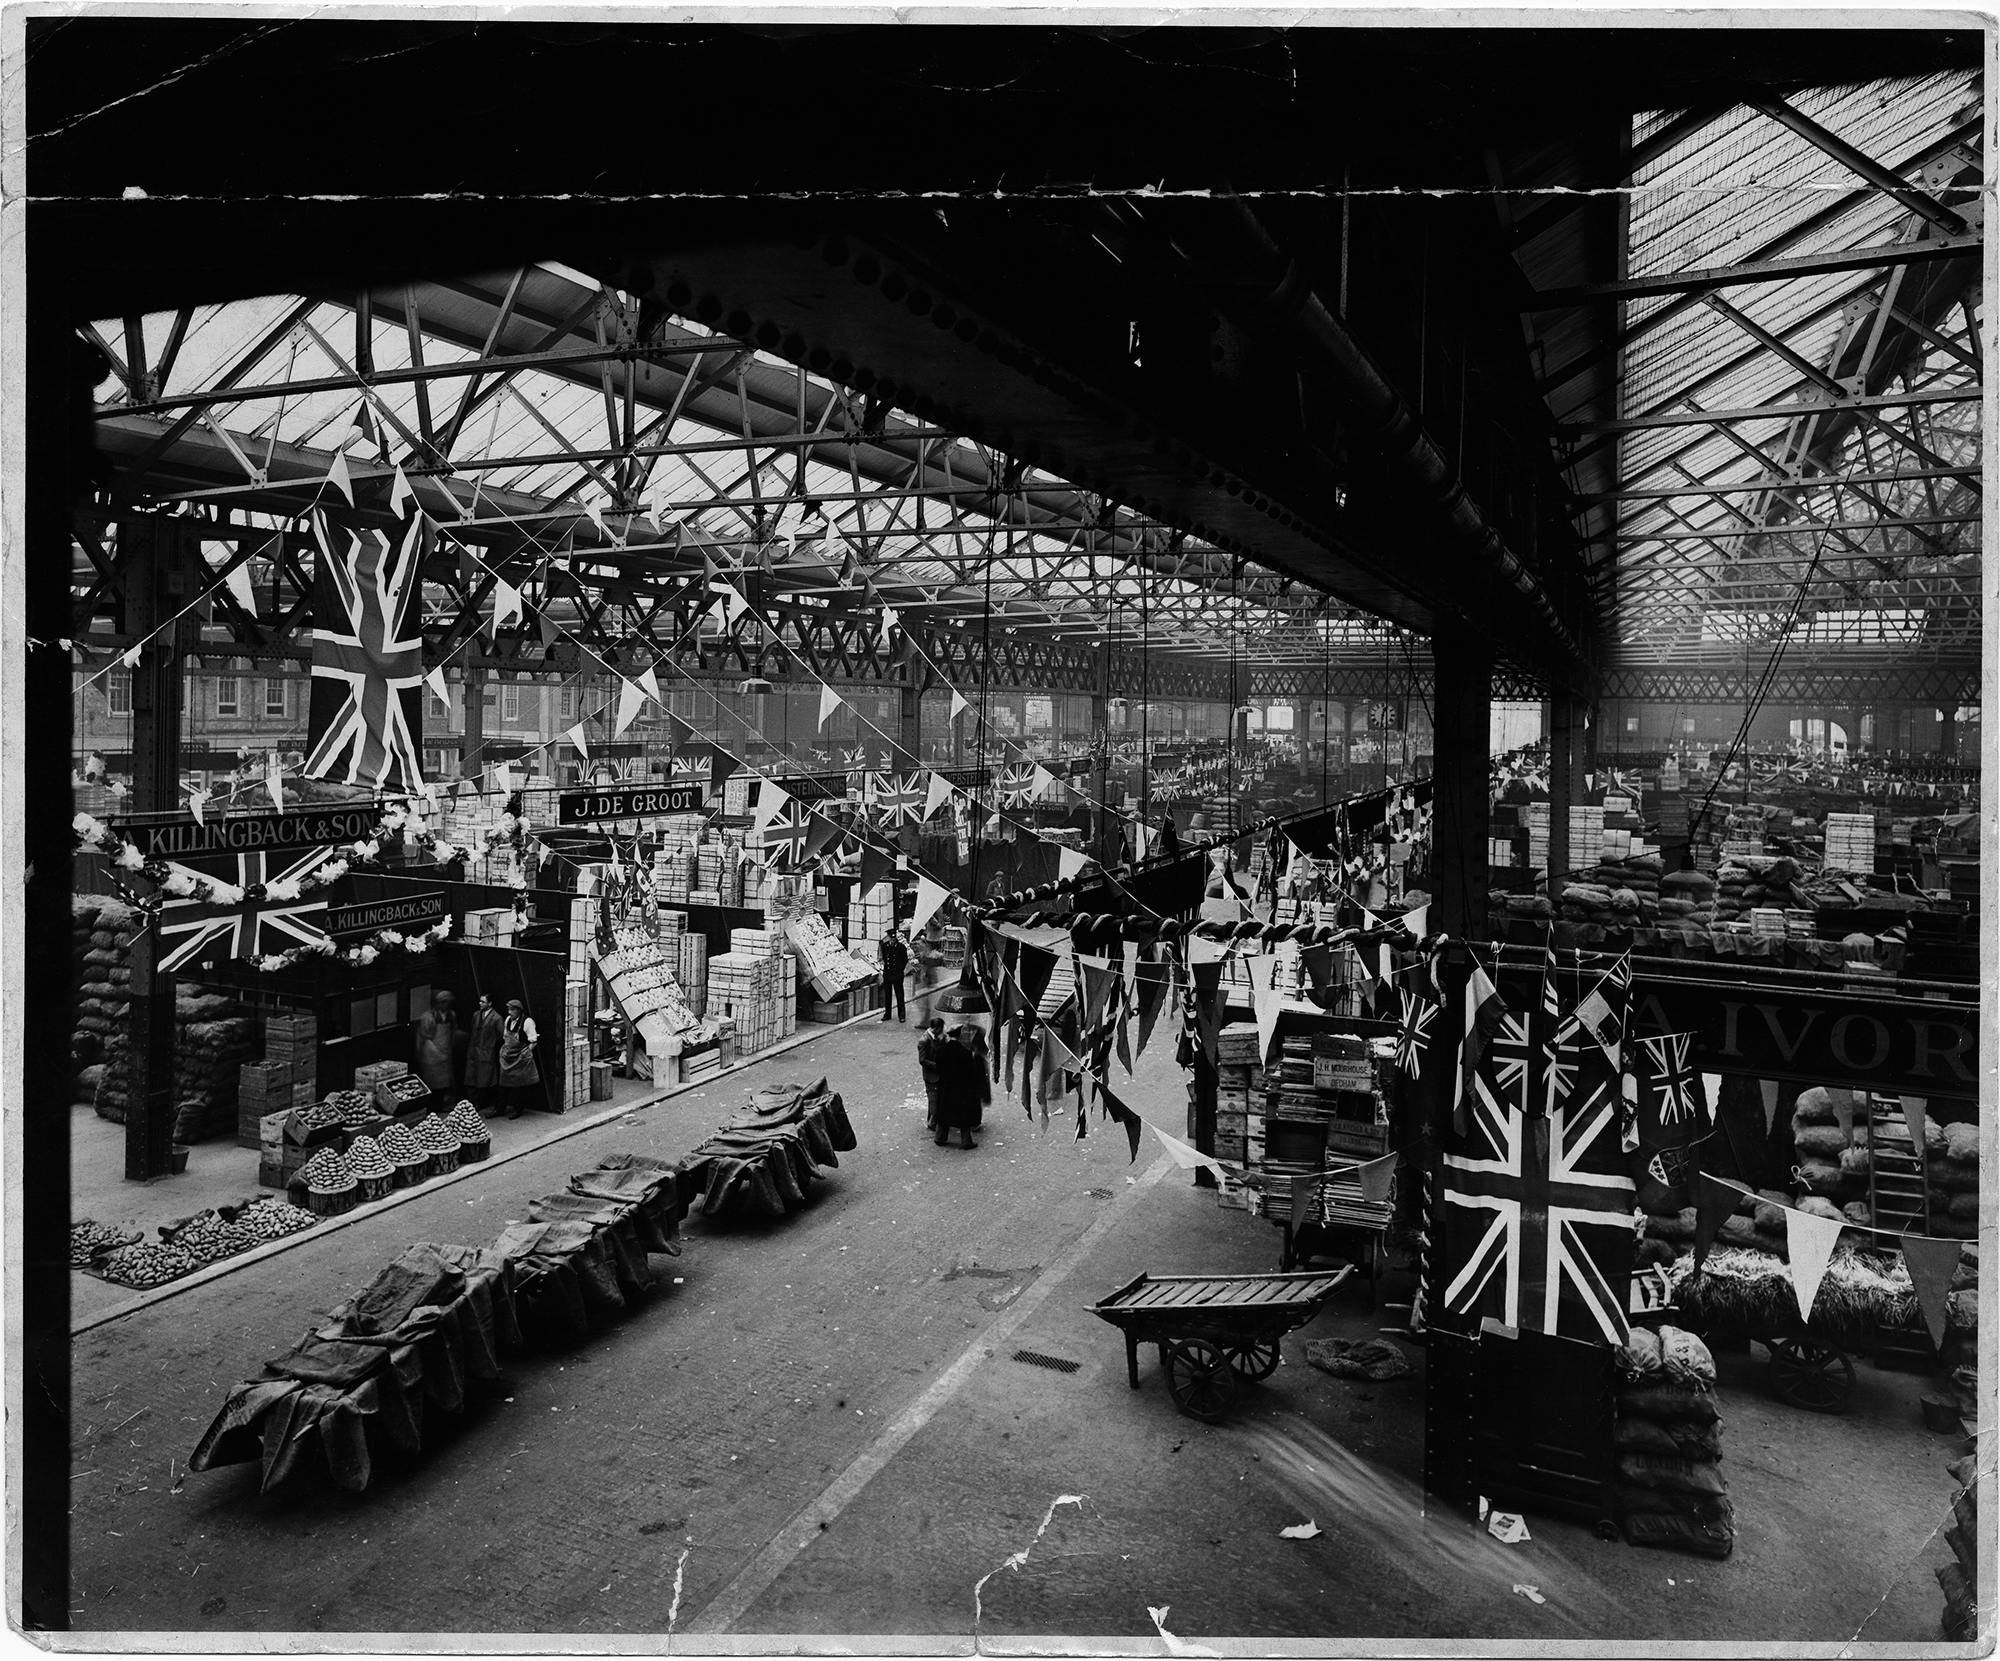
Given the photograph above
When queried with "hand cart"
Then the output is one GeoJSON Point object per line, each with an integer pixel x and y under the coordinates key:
{"type": "Point", "coordinates": [1213, 1329]}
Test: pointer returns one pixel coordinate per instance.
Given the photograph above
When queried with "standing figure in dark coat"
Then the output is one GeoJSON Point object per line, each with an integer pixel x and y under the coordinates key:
{"type": "Point", "coordinates": [960, 1079]}
{"type": "Point", "coordinates": [482, 1056]}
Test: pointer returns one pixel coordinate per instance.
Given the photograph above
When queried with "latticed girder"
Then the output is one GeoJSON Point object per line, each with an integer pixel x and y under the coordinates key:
{"type": "Point", "coordinates": [1842, 683]}
{"type": "Point", "coordinates": [540, 413]}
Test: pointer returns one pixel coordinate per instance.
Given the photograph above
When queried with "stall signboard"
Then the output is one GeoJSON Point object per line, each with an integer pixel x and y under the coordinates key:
{"type": "Point", "coordinates": [406, 913]}
{"type": "Point", "coordinates": [630, 801]}
{"type": "Point", "coordinates": [1837, 1037]}
{"type": "Point", "coordinates": [249, 833]}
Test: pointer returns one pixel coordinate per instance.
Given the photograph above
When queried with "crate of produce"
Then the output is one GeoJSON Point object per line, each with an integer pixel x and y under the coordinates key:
{"type": "Point", "coordinates": [402, 1095]}
{"type": "Point", "coordinates": [371, 1073]}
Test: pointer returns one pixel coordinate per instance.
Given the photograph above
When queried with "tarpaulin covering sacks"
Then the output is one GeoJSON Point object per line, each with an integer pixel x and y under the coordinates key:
{"type": "Point", "coordinates": [763, 1163]}
{"type": "Point", "coordinates": [436, 1318]}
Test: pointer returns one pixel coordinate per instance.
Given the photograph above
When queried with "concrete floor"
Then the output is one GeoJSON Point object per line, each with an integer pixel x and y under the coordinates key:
{"type": "Point", "coordinates": [823, 1432]}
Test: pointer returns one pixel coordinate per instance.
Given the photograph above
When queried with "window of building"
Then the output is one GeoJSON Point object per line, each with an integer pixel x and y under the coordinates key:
{"type": "Point", "coordinates": [118, 689]}
{"type": "Point", "coordinates": [567, 703]}
{"type": "Point", "coordinates": [510, 704]}
{"type": "Point", "coordinates": [1631, 723]}
{"type": "Point", "coordinates": [277, 698]}
{"type": "Point", "coordinates": [228, 694]}
{"type": "Point", "coordinates": [1687, 723]}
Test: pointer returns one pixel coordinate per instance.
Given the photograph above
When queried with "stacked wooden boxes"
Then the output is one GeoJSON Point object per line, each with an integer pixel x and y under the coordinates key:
{"type": "Point", "coordinates": [576, 1069]}
{"type": "Point", "coordinates": [272, 1171]}
{"type": "Point", "coordinates": [870, 912]}
{"type": "Point", "coordinates": [263, 1088]}
{"type": "Point", "coordinates": [739, 795]}
{"type": "Point", "coordinates": [493, 926]}
{"type": "Point", "coordinates": [744, 987]}
{"type": "Point", "coordinates": [1850, 842]}
{"type": "Point", "coordinates": [1238, 1074]}
{"type": "Point", "coordinates": [690, 964]}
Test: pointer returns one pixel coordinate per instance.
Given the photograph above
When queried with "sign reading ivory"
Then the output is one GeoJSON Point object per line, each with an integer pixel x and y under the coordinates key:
{"type": "Point", "coordinates": [642, 801]}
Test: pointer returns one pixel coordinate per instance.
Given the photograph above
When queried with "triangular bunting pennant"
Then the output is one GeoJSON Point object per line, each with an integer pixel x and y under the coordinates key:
{"type": "Point", "coordinates": [506, 604]}
{"type": "Point", "coordinates": [1069, 861]}
{"type": "Point", "coordinates": [1120, 1114]}
{"type": "Point", "coordinates": [1316, 961]}
{"type": "Point", "coordinates": [1036, 967]}
{"type": "Point", "coordinates": [649, 682]}
{"type": "Point", "coordinates": [1186, 1157]}
{"type": "Point", "coordinates": [958, 704]}
{"type": "Point", "coordinates": [434, 679]}
{"type": "Point", "coordinates": [1714, 1201]}
{"type": "Point", "coordinates": [1418, 922]}
{"type": "Point", "coordinates": [1768, 1089]}
{"type": "Point", "coordinates": [770, 798]}
{"type": "Point", "coordinates": [1931, 1263]}
{"type": "Point", "coordinates": [1263, 1003]}
{"type": "Point", "coordinates": [237, 581]}
{"type": "Point", "coordinates": [1098, 978]}
{"type": "Point", "coordinates": [930, 895]}
{"type": "Point", "coordinates": [1377, 1177]}
{"type": "Point", "coordinates": [829, 701]}
{"type": "Point", "coordinates": [400, 493]}
{"type": "Point", "coordinates": [1916, 1116]}
{"type": "Point", "coordinates": [274, 781]}
{"type": "Point", "coordinates": [576, 736]}
{"type": "Point", "coordinates": [937, 794]}
{"type": "Point", "coordinates": [1208, 1004]}
{"type": "Point", "coordinates": [1153, 985]}
{"type": "Point", "coordinates": [1811, 1240]}
{"type": "Point", "coordinates": [198, 805]}
{"type": "Point", "coordinates": [337, 476]}
{"type": "Point", "coordinates": [630, 701]}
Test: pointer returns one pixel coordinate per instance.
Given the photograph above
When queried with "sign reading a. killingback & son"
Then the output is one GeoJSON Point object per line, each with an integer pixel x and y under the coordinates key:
{"type": "Point", "coordinates": [408, 913]}
{"type": "Point", "coordinates": [248, 833]}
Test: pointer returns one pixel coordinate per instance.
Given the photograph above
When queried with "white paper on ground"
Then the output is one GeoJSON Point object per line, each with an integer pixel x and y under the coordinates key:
{"type": "Point", "coordinates": [1534, 1593]}
{"type": "Point", "coordinates": [1300, 1531]}
{"type": "Point", "coordinates": [1508, 1527]}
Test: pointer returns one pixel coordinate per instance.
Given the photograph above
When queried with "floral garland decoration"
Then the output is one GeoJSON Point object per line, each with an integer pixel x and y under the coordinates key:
{"type": "Point", "coordinates": [377, 945]}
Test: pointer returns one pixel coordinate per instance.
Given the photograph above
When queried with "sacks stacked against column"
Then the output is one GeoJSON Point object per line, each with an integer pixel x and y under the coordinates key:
{"type": "Point", "coordinates": [1634, 884]}
{"type": "Point", "coordinates": [1952, 1153]}
{"type": "Point", "coordinates": [1667, 1432]}
{"type": "Point", "coordinates": [101, 931]}
{"type": "Point", "coordinates": [213, 1037]}
{"type": "Point", "coordinates": [1957, 1578]}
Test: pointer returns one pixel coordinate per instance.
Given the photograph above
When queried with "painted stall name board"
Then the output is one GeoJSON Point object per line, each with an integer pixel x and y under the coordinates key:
{"type": "Point", "coordinates": [248, 833]}
{"type": "Point", "coordinates": [583, 807]}
{"type": "Point", "coordinates": [410, 912]}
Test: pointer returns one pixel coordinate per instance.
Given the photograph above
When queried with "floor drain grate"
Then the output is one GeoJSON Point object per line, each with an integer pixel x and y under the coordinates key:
{"type": "Point", "coordinates": [1054, 1363]}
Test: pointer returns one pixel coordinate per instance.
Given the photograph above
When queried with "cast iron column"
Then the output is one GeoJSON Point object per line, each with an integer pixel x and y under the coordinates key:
{"type": "Point", "coordinates": [1562, 783]}
{"type": "Point", "coordinates": [1462, 817]}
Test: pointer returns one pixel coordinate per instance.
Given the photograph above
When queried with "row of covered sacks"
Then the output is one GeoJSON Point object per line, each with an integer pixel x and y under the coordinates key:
{"type": "Point", "coordinates": [763, 1163]}
{"type": "Point", "coordinates": [1667, 1432]}
{"type": "Point", "coordinates": [363, 1382]}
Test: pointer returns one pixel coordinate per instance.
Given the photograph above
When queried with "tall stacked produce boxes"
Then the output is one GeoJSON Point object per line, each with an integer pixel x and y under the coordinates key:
{"type": "Point", "coordinates": [1667, 1431]}
{"type": "Point", "coordinates": [743, 986]}
{"type": "Point", "coordinates": [101, 932]}
{"type": "Point", "coordinates": [1238, 1079]}
{"type": "Point", "coordinates": [282, 1080]}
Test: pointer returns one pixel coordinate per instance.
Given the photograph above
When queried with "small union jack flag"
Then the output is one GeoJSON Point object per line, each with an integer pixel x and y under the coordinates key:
{"type": "Point", "coordinates": [898, 797]}
{"type": "Point", "coordinates": [1017, 783]}
{"type": "Point", "coordinates": [1413, 1040]}
{"type": "Point", "coordinates": [1665, 1075]}
{"type": "Point", "coordinates": [785, 836]}
{"type": "Point", "coordinates": [367, 661]}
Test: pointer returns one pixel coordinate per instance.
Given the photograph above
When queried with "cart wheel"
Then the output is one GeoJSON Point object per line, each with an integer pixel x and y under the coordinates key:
{"type": "Point", "coordinates": [1808, 1373]}
{"type": "Point", "coordinates": [1607, 1529]}
{"type": "Point", "coordinates": [1199, 1379]}
{"type": "Point", "coordinates": [1252, 1358]}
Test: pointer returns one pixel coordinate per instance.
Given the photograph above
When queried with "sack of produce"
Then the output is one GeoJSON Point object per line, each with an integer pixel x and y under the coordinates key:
{"type": "Point", "coordinates": [1671, 1475]}
{"type": "Point", "coordinates": [1684, 1358]}
{"type": "Point", "coordinates": [1818, 1141]}
{"type": "Point", "coordinates": [1961, 1144]}
{"type": "Point", "coordinates": [1639, 1356]}
{"type": "Point", "coordinates": [1670, 1403]}
{"type": "Point", "coordinates": [1816, 1107]}
{"type": "Point", "coordinates": [1707, 1531]}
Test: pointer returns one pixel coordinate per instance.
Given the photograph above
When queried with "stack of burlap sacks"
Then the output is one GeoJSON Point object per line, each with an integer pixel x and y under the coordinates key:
{"type": "Point", "coordinates": [1667, 1431]}
{"type": "Point", "coordinates": [1640, 876]}
{"type": "Point", "coordinates": [1746, 881]}
{"type": "Point", "coordinates": [1830, 1140]}
{"type": "Point", "coordinates": [1687, 900]}
{"type": "Point", "coordinates": [213, 1036]}
{"type": "Point", "coordinates": [101, 931]}
{"type": "Point", "coordinates": [1952, 1175]}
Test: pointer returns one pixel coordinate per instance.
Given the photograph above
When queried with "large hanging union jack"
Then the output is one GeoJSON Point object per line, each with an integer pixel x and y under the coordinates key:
{"type": "Point", "coordinates": [1017, 783]}
{"type": "Point", "coordinates": [1536, 1207]}
{"type": "Point", "coordinates": [785, 837]}
{"type": "Point", "coordinates": [367, 661]}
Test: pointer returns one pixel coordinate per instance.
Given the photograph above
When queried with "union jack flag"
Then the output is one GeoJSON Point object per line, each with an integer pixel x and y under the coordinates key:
{"type": "Point", "coordinates": [204, 933]}
{"type": "Point", "coordinates": [785, 836]}
{"type": "Point", "coordinates": [1414, 1038]}
{"type": "Point", "coordinates": [1017, 783]}
{"type": "Point", "coordinates": [366, 717]}
{"type": "Point", "coordinates": [1675, 1091]}
{"type": "Point", "coordinates": [1536, 1220]}
{"type": "Point", "coordinates": [691, 766]}
{"type": "Point", "coordinates": [898, 797]}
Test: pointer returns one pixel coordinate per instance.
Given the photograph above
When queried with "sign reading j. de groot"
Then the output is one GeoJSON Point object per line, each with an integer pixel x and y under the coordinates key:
{"type": "Point", "coordinates": [629, 801]}
{"type": "Point", "coordinates": [1899, 1046]}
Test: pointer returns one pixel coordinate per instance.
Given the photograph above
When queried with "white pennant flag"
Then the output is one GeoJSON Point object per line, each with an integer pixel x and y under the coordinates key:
{"type": "Point", "coordinates": [651, 682]}
{"type": "Point", "coordinates": [198, 804]}
{"type": "Point", "coordinates": [593, 510]}
{"type": "Point", "coordinates": [1811, 1241]}
{"type": "Point", "coordinates": [237, 581]}
{"type": "Point", "coordinates": [576, 736]}
{"type": "Point", "coordinates": [1711, 1094]}
{"type": "Point", "coordinates": [1140, 835]}
{"type": "Point", "coordinates": [1185, 1156]}
{"type": "Point", "coordinates": [889, 621]}
{"type": "Point", "coordinates": [1418, 922]}
{"type": "Point", "coordinates": [829, 701]}
{"type": "Point", "coordinates": [937, 794]}
{"type": "Point", "coordinates": [130, 656]}
{"type": "Point", "coordinates": [1045, 782]}
{"type": "Point", "coordinates": [274, 780]}
{"type": "Point", "coordinates": [1069, 861]}
{"type": "Point", "coordinates": [1200, 949]}
{"type": "Point", "coordinates": [930, 895]}
{"type": "Point", "coordinates": [958, 704]}
{"type": "Point", "coordinates": [1263, 1002]}
{"type": "Point", "coordinates": [336, 475]}
{"type": "Point", "coordinates": [770, 797]}
{"type": "Point", "coordinates": [630, 701]}
{"type": "Point", "coordinates": [434, 679]}
{"type": "Point", "coordinates": [400, 492]}
{"type": "Point", "coordinates": [506, 604]}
